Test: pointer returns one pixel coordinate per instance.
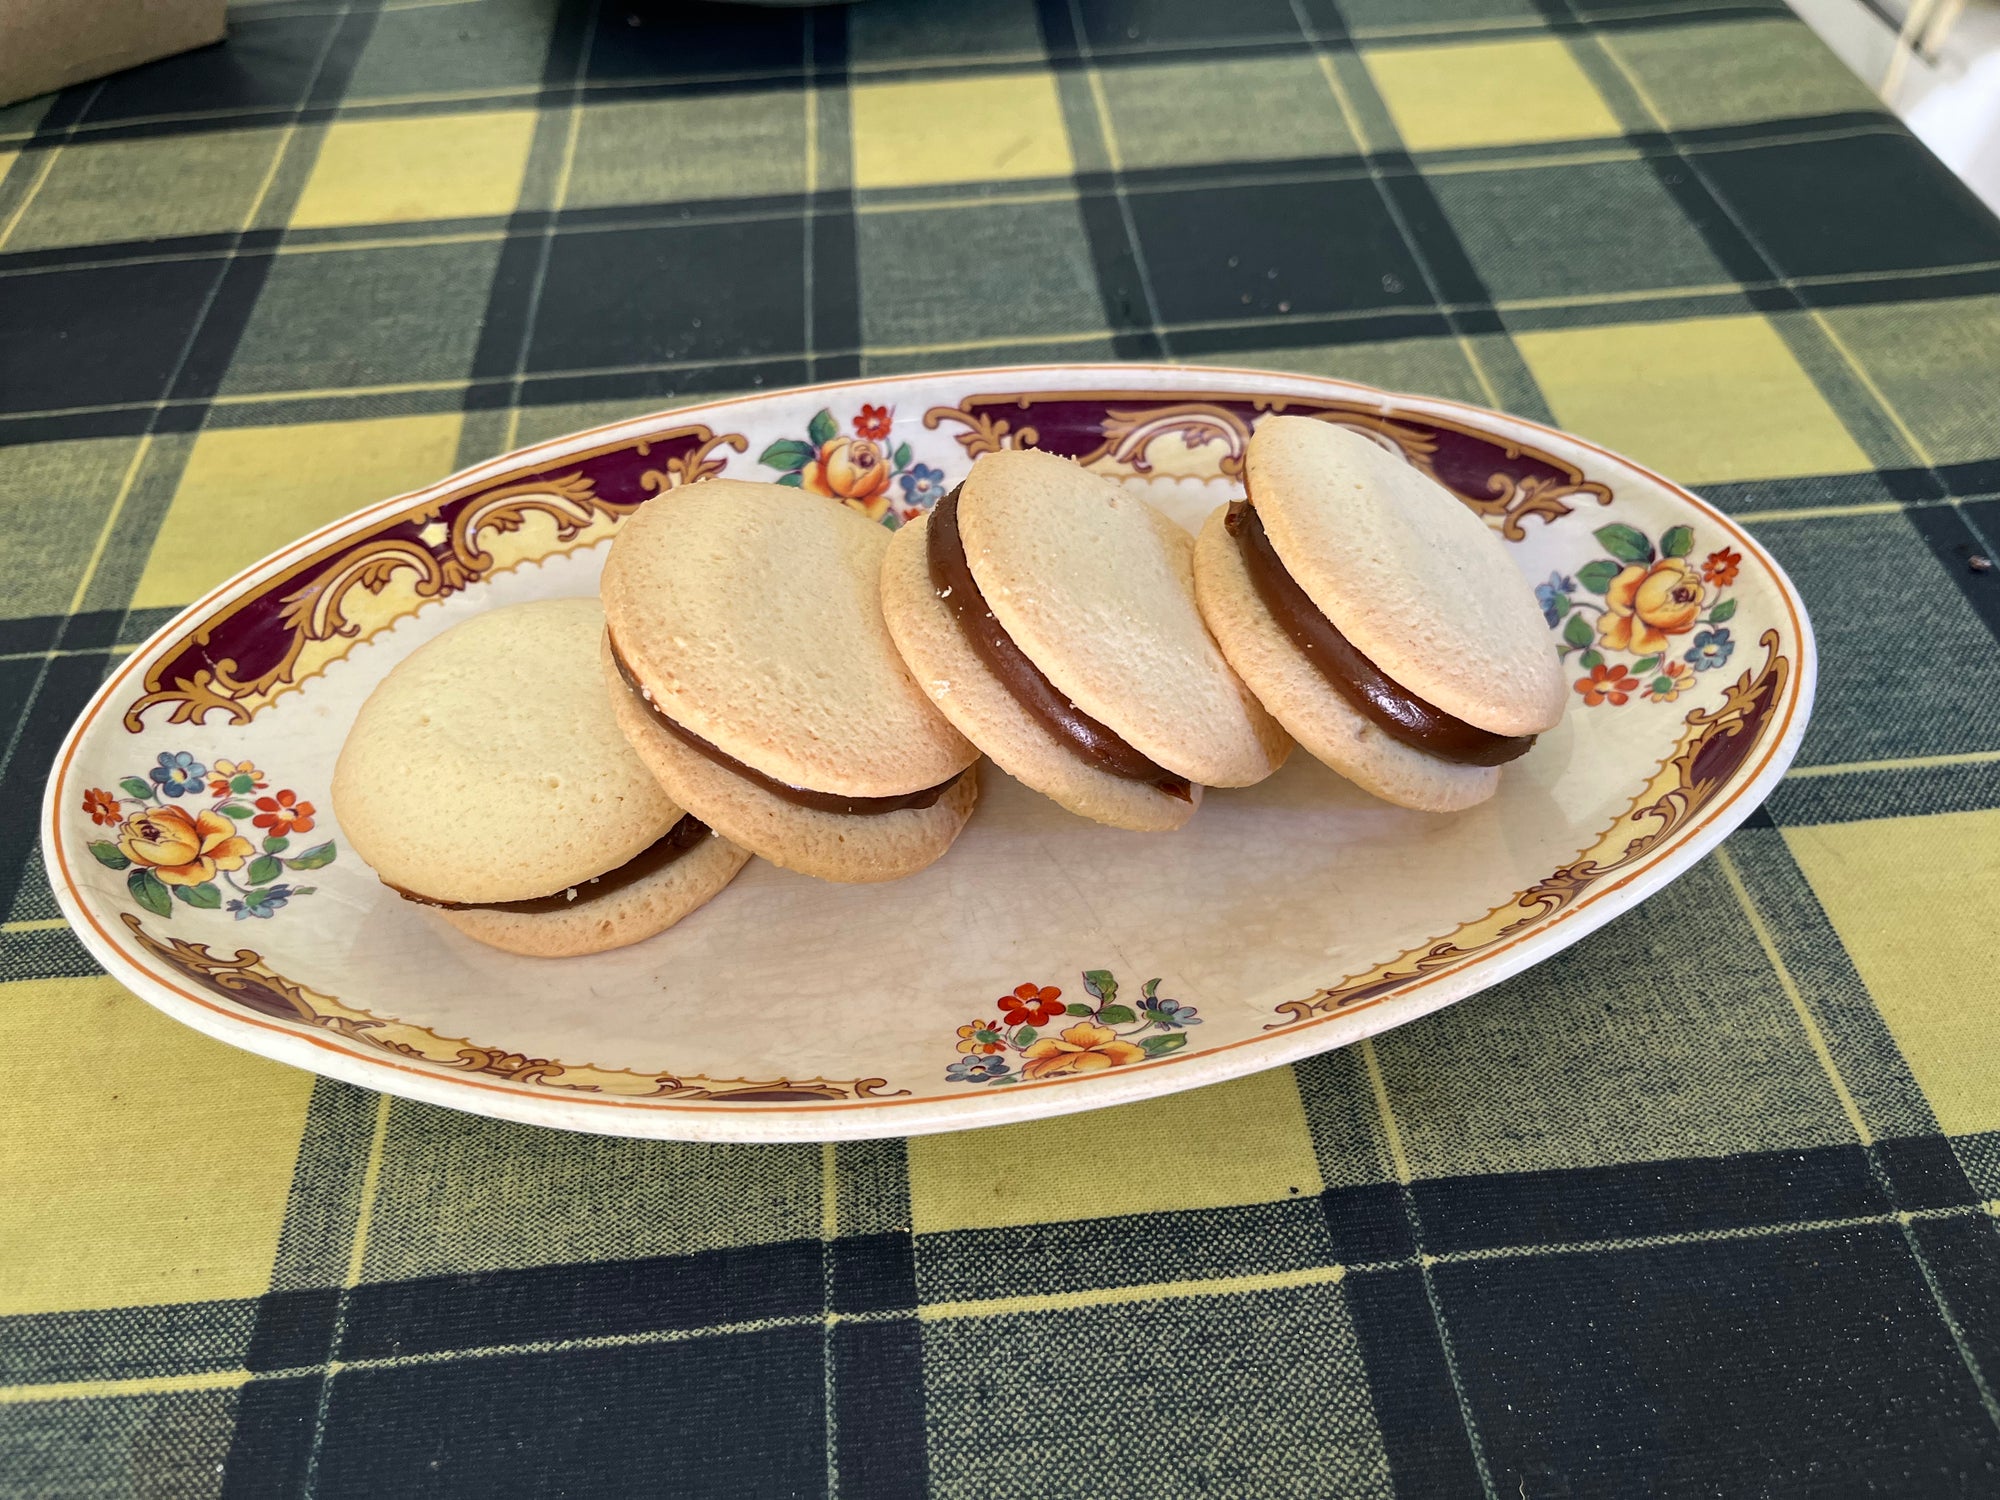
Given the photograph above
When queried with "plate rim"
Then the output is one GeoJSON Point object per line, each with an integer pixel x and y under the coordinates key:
{"type": "Point", "coordinates": [875, 1117]}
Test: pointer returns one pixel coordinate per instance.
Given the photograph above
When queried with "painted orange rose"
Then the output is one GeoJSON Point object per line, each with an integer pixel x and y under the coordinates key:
{"type": "Point", "coordinates": [1648, 603]}
{"type": "Point", "coordinates": [182, 850]}
{"type": "Point", "coordinates": [1083, 1048]}
{"type": "Point", "coordinates": [851, 469]}
{"type": "Point", "coordinates": [102, 807]}
{"type": "Point", "coordinates": [1719, 568]}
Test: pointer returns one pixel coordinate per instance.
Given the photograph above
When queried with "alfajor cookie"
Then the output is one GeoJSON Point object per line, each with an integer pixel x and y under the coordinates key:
{"type": "Point", "coordinates": [749, 666]}
{"type": "Point", "coordinates": [486, 778]}
{"type": "Point", "coordinates": [1377, 617]}
{"type": "Point", "coordinates": [1050, 615]}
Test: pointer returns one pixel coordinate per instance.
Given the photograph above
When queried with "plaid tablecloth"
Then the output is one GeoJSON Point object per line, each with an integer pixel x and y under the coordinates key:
{"type": "Point", "coordinates": [1704, 1206]}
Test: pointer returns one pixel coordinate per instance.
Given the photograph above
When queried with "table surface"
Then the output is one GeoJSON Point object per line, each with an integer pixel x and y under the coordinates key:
{"type": "Point", "coordinates": [1703, 1206]}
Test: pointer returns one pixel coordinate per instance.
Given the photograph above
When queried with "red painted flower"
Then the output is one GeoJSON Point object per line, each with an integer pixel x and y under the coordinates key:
{"type": "Point", "coordinates": [1031, 1006]}
{"type": "Point", "coordinates": [284, 815]}
{"type": "Point", "coordinates": [1607, 683]}
{"type": "Point", "coordinates": [1719, 568]}
{"type": "Point", "coordinates": [874, 422]}
{"type": "Point", "coordinates": [102, 807]}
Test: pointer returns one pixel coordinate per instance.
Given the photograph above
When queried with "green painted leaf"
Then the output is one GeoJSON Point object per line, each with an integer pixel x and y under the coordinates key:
{"type": "Point", "coordinates": [1150, 988]}
{"type": "Point", "coordinates": [822, 429]}
{"type": "Point", "coordinates": [1597, 576]}
{"type": "Point", "coordinates": [1662, 684]}
{"type": "Point", "coordinates": [150, 892]}
{"type": "Point", "coordinates": [132, 786]}
{"type": "Point", "coordinates": [1025, 1037]}
{"type": "Point", "coordinates": [902, 456]}
{"type": "Point", "coordinates": [1726, 610]}
{"type": "Point", "coordinates": [1159, 1046]}
{"type": "Point", "coordinates": [205, 895]}
{"type": "Point", "coordinates": [313, 858]}
{"type": "Point", "coordinates": [1592, 659]}
{"type": "Point", "coordinates": [241, 784]}
{"type": "Point", "coordinates": [1101, 984]}
{"type": "Point", "coordinates": [1560, 604]}
{"type": "Point", "coordinates": [263, 870]}
{"type": "Point", "coordinates": [234, 810]}
{"type": "Point", "coordinates": [1626, 543]}
{"type": "Point", "coordinates": [796, 481]}
{"type": "Point", "coordinates": [109, 855]}
{"type": "Point", "coordinates": [1078, 1010]}
{"type": "Point", "coordinates": [276, 845]}
{"type": "Point", "coordinates": [1117, 1015]}
{"type": "Point", "coordinates": [1004, 1078]}
{"type": "Point", "coordinates": [1644, 665]}
{"type": "Point", "coordinates": [1678, 542]}
{"type": "Point", "coordinates": [787, 453]}
{"type": "Point", "coordinates": [891, 520]}
{"type": "Point", "coordinates": [304, 890]}
{"type": "Point", "coordinates": [1578, 632]}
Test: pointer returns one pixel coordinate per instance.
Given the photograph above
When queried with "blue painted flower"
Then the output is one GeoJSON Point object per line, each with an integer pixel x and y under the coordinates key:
{"type": "Point", "coordinates": [923, 487]}
{"type": "Point", "coordinates": [261, 903]}
{"type": "Point", "coordinates": [1547, 592]}
{"type": "Point", "coordinates": [178, 773]}
{"type": "Point", "coordinates": [977, 1070]}
{"type": "Point", "coordinates": [1172, 1014]}
{"type": "Point", "coordinates": [1711, 648]}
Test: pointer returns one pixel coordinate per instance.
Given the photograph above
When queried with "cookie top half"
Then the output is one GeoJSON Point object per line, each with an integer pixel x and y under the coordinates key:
{"type": "Point", "coordinates": [1096, 587]}
{"type": "Point", "coordinates": [1416, 581]}
{"type": "Point", "coordinates": [752, 616]}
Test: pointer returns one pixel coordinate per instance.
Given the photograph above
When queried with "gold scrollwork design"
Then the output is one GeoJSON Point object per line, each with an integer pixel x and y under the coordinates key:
{"type": "Point", "coordinates": [1714, 744]}
{"type": "Point", "coordinates": [318, 618]}
{"type": "Point", "coordinates": [985, 434]}
{"type": "Point", "coordinates": [248, 981]}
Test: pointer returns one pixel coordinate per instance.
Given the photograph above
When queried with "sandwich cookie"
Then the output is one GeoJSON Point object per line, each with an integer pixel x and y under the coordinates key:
{"type": "Point", "coordinates": [486, 778]}
{"type": "Point", "coordinates": [749, 667]}
{"type": "Point", "coordinates": [1377, 617]}
{"type": "Point", "coordinates": [1050, 614]}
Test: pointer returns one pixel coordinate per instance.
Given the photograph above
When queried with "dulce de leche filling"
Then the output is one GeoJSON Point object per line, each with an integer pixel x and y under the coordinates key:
{"type": "Point", "coordinates": [798, 796]}
{"type": "Point", "coordinates": [677, 841]}
{"type": "Point", "coordinates": [1401, 714]}
{"type": "Point", "coordinates": [951, 577]}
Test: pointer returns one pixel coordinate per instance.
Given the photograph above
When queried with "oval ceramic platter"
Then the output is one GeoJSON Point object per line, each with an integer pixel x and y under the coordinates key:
{"type": "Point", "coordinates": [1046, 964]}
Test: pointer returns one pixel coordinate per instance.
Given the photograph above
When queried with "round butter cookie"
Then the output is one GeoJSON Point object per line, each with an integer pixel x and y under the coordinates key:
{"type": "Point", "coordinates": [1095, 587]}
{"type": "Point", "coordinates": [979, 705]}
{"type": "Point", "coordinates": [1295, 692]}
{"type": "Point", "coordinates": [1416, 581]}
{"type": "Point", "coordinates": [752, 671]}
{"type": "Point", "coordinates": [486, 776]}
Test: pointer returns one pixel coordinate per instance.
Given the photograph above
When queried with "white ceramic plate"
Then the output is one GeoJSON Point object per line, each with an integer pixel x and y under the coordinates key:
{"type": "Point", "coordinates": [1288, 918]}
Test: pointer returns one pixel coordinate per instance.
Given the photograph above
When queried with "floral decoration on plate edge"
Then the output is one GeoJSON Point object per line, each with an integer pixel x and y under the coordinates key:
{"type": "Point", "coordinates": [862, 471]}
{"type": "Point", "coordinates": [1105, 1035]}
{"type": "Point", "coordinates": [1651, 595]}
{"type": "Point", "coordinates": [174, 849]}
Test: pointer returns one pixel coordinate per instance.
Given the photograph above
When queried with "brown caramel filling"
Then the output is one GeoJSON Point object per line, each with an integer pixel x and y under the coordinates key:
{"type": "Point", "coordinates": [952, 577]}
{"type": "Point", "coordinates": [677, 841]}
{"type": "Point", "coordinates": [798, 796]}
{"type": "Point", "coordinates": [1401, 714]}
